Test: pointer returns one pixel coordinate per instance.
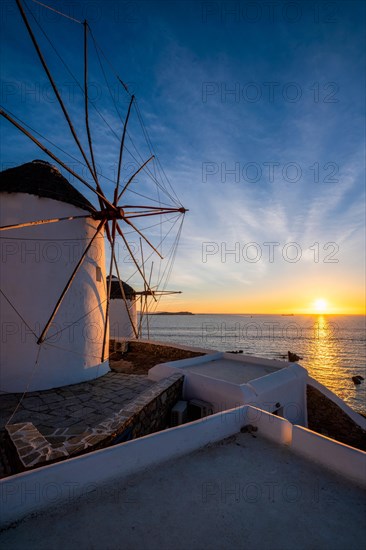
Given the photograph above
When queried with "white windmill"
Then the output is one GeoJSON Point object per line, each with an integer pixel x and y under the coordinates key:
{"type": "Point", "coordinates": [56, 313]}
{"type": "Point", "coordinates": [122, 312]}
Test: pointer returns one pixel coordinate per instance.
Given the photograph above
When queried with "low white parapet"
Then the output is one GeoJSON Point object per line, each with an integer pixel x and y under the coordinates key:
{"type": "Point", "coordinates": [341, 458]}
{"type": "Point", "coordinates": [269, 425]}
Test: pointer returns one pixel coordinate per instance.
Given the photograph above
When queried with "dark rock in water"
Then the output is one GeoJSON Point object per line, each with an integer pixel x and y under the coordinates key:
{"type": "Point", "coordinates": [357, 379]}
{"type": "Point", "coordinates": [293, 357]}
{"type": "Point", "coordinates": [235, 351]}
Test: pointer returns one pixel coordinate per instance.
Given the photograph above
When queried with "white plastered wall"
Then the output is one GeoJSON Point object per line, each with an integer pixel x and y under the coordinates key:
{"type": "Point", "coordinates": [36, 263]}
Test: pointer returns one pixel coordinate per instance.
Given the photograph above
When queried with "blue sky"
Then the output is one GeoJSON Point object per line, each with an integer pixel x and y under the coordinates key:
{"type": "Point", "coordinates": [257, 113]}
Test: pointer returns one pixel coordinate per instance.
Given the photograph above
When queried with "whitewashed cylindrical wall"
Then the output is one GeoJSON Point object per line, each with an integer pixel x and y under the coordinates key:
{"type": "Point", "coordinates": [122, 311]}
{"type": "Point", "coordinates": [119, 320]}
{"type": "Point", "coordinates": [36, 263]}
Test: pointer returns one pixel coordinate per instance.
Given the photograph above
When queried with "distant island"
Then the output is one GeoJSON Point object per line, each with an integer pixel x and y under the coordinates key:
{"type": "Point", "coordinates": [172, 313]}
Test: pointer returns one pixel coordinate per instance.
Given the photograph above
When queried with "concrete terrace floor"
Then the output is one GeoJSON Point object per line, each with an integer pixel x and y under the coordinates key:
{"type": "Point", "coordinates": [75, 407]}
{"type": "Point", "coordinates": [243, 493]}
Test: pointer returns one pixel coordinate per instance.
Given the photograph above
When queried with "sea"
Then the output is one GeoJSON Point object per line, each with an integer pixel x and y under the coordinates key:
{"type": "Point", "coordinates": [332, 347]}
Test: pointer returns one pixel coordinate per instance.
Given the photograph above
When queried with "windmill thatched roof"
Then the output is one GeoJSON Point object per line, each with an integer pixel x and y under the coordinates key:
{"type": "Point", "coordinates": [116, 293]}
{"type": "Point", "coordinates": [42, 179]}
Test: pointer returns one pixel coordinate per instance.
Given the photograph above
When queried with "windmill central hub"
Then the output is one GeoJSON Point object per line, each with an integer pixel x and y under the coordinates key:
{"type": "Point", "coordinates": [120, 213]}
{"type": "Point", "coordinates": [110, 214]}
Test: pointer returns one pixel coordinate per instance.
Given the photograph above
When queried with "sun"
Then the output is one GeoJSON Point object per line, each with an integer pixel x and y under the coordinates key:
{"type": "Point", "coordinates": [320, 305]}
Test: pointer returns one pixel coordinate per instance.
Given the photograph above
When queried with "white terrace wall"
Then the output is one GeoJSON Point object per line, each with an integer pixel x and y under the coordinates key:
{"type": "Point", "coordinates": [286, 387]}
{"type": "Point", "coordinates": [25, 493]}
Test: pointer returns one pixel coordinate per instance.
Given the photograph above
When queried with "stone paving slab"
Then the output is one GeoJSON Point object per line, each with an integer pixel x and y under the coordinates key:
{"type": "Point", "coordinates": [80, 406]}
{"type": "Point", "coordinates": [34, 450]}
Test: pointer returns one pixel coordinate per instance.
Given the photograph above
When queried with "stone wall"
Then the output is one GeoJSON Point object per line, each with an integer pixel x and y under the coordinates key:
{"type": "Point", "coordinates": [148, 413]}
{"type": "Point", "coordinates": [326, 418]}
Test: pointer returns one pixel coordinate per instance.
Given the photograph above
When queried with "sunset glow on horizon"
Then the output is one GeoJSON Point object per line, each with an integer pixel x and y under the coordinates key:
{"type": "Point", "coordinates": [271, 306]}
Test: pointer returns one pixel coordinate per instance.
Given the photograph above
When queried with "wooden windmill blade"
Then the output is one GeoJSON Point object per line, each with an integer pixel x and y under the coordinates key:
{"type": "Point", "coordinates": [147, 291]}
{"type": "Point", "coordinates": [143, 303]}
{"type": "Point", "coordinates": [41, 222]}
{"type": "Point", "coordinates": [147, 318]}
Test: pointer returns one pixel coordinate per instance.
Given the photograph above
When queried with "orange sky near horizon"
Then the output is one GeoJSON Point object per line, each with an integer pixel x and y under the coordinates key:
{"type": "Point", "coordinates": [308, 302]}
{"type": "Point", "coordinates": [223, 309]}
{"type": "Point", "coordinates": [268, 288]}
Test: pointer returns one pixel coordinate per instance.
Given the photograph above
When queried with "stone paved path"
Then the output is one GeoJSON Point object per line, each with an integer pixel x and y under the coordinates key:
{"type": "Point", "coordinates": [75, 407]}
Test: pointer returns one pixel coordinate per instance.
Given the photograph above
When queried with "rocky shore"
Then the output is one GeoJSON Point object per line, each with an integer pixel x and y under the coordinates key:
{"type": "Point", "coordinates": [326, 418]}
{"type": "Point", "coordinates": [142, 356]}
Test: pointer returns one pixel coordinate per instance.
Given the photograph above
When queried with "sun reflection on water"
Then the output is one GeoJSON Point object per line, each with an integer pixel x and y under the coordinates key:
{"type": "Point", "coordinates": [327, 358]}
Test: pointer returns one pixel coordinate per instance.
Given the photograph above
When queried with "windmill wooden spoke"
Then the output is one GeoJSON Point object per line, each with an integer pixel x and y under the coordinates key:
{"type": "Point", "coordinates": [109, 287]}
{"type": "Point", "coordinates": [56, 159]}
{"type": "Point", "coordinates": [143, 303]}
{"type": "Point", "coordinates": [59, 301]}
{"type": "Point", "coordinates": [144, 214]}
{"type": "Point", "coordinates": [165, 208]}
{"type": "Point", "coordinates": [108, 233]}
{"type": "Point", "coordinates": [57, 93]}
{"type": "Point", "coordinates": [159, 292]}
{"type": "Point", "coordinates": [102, 202]}
{"type": "Point", "coordinates": [121, 151]}
{"type": "Point", "coordinates": [42, 222]}
{"type": "Point", "coordinates": [86, 103]}
{"type": "Point", "coordinates": [133, 257]}
{"type": "Point", "coordinates": [141, 317]}
{"type": "Point", "coordinates": [124, 296]}
{"type": "Point", "coordinates": [147, 317]}
{"type": "Point", "coordinates": [134, 175]}
{"type": "Point", "coordinates": [144, 210]}
{"type": "Point", "coordinates": [143, 236]}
